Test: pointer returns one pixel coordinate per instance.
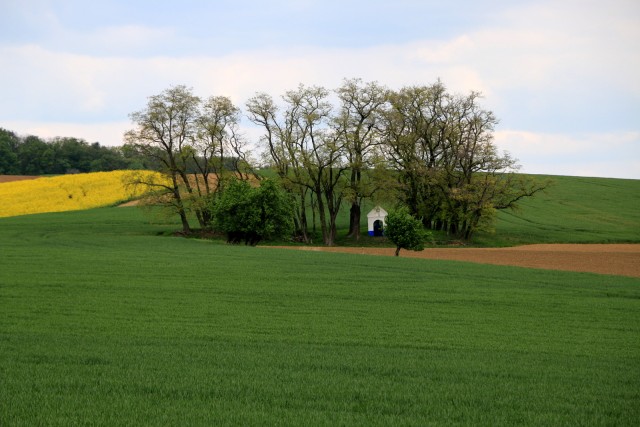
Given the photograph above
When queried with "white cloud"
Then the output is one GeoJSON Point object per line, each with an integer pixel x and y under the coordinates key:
{"type": "Point", "coordinates": [546, 65]}
{"type": "Point", "coordinates": [573, 40]}
{"type": "Point", "coordinates": [614, 154]}
{"type": "Point", "coordinates": [542, 48]}
{"type": "Point", "coordinates": [50, 82]}
{"type": "Point", "coordinates": [42, 81]}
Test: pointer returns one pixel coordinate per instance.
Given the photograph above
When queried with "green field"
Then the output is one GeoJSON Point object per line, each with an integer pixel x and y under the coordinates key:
{"type": "Point", "coordinates": [106, 321]}
{"type": "Point", "coordinates": [572, 210]}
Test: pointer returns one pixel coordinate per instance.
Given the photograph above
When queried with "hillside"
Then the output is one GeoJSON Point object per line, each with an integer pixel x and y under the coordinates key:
{"type": "Point", "coordinates": [572, 210]}
{"type": "Point", "coordinates": [22, 195]}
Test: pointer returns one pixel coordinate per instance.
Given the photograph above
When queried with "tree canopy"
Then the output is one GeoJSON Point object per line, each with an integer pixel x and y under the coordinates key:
{"type": "Point", "coordinates": [450, 170]}
{"type": "Point", "coordinates": [251, 214]}
{"type": "Point", "coordinates": [193, 142]}
{"type": "Point", "coordinates": [439, 146]}
{"type": "Point", "coordinates": [405, 231]}
{"type": "Point", "coordinates": [32, 155]}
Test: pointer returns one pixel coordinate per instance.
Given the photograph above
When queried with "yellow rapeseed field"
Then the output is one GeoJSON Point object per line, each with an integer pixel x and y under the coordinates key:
{"type": "Point", "coordinates": [66, 193]}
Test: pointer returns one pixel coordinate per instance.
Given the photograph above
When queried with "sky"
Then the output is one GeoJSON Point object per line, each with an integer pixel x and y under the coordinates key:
{"type": "Point", "coordinates": [562, 76]}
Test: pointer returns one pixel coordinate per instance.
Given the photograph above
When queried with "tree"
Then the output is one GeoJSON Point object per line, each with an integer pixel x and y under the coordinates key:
{"type": "Point", "coordinates": [319, 149]}
{"type": "Point", "coordinates": [163, 132]}
{"type": "Point", "coordinates": [306, 152]}
{"type": "Point", "coordinates": [71, 155]}
{"type": "Point", "coordinates": [275, 219]}
{"type": "Point", "coordinates": [190, 141]}
{"type": "Point", "coordinates": [281, 139]}
{"type": "Point", "coordinates": [8, 153]}
{"type": "Point", "coordinates": [217, 150]}
{"type": "Point", "coordinates": [35, 157]}
{"type": "Point", "coordinates": [405, 231]}
{"type": "Point", "coordinates": [359, 123]}
{"type": "Point", "coordinates": [451, 172]}
{"type": "Point", "coordinates": [250, 215]}
{"type": "Point", "coordinates": [135, 159]}
{"type": "Point", "coordinates": [106, 158]}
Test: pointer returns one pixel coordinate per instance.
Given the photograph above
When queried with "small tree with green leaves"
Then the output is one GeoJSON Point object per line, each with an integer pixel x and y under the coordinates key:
{"type": "Point", "coordinates": [405, 231]}
{"type": "Point", "coordinates": [250, 215]}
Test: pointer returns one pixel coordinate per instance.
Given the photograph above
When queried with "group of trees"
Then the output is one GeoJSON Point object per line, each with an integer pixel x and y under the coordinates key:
{"type": "Point", "coordinates": [431, 149]}
{"type": "Point", "coordinates": [196, 144]}
{"type": "Point", "coordinates": [420, 146]}
{"type": "Point", "coordinates": [32, 155]}
{"type": "Point", "coordinates": [324, 155]}
{"type": "Point", "coordinates": [450, 171]}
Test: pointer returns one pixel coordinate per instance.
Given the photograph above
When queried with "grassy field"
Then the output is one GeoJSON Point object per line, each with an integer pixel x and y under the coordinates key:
{"type": "Point", "coordinates": [572, 210]}
{"type": "Point", "coordinates": [104, 320]}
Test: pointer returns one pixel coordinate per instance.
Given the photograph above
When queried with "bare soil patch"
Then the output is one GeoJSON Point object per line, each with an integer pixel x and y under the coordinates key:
{"type": "Point", "coordinates": [617, 259]}
{"type": "Point", "coordinates": [12, 178]}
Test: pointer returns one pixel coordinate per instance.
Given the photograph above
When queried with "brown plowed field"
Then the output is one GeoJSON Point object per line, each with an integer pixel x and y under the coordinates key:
{"type": "Point", "coordinates": [11, 178]}
{"type": "Point", "coordinates": [618, 259]}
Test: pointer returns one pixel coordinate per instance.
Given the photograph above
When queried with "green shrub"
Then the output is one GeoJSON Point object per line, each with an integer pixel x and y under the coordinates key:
{"type": "Point", "coordinates": [405, 231]}
{"type": "Point", "coordinates": [247, 214]}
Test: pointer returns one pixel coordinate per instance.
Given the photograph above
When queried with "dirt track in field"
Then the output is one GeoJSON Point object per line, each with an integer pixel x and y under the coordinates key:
{"type": "Point", "coordinates": [129, 203]}
{"type": "Point", "coordinates": [617, 259]}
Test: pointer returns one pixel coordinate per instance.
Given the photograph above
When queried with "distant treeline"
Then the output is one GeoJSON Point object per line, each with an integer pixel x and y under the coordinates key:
{"type": "Point", "coordinates": [32, 155]}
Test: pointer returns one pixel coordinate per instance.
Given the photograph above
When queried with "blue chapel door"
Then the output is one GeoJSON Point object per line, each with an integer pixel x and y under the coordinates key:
{"type": "Point", "coordinates": [378, 228]}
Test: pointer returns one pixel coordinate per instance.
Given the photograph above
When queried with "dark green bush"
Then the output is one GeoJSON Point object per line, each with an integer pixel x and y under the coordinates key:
{"type": "Point", "coordinates": [252, 214]}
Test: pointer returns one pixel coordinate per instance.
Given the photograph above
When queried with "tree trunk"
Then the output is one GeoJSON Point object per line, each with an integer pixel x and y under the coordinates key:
{"type": "Point", "coordinates": [181, 211]}
{"type": "Point", "coordinates": [200, 217]}
{"type": "Point", "coordinates": [326, 239]}
{"type": "Point", "coordinates": [333, 228]}
{"type": "Point", "coordinates": [185, 223]}
{"type": "Point", "coordinates": [354, 221]}
{"type": "Point", "coordinates": [302, 215]}
{"type": "Point", "coordinates": [398, 251]}
{"type": "Point", "coordinates": [313, 214]}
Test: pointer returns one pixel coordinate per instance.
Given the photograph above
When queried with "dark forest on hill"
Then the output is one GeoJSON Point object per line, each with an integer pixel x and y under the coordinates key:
{"type": "Point", "coordinates": [32, 155]}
